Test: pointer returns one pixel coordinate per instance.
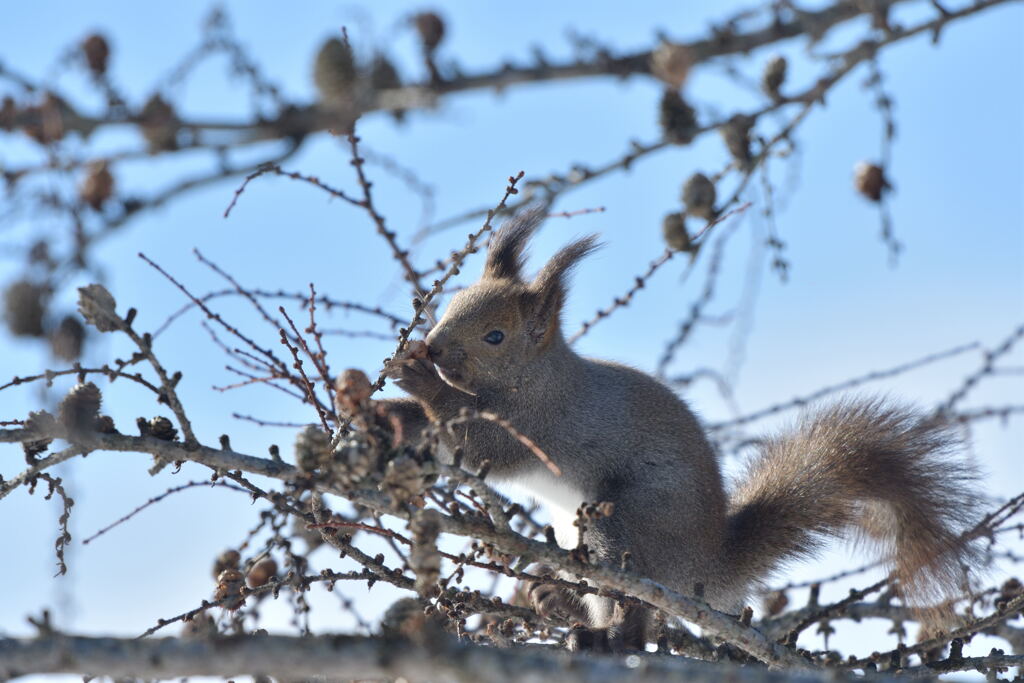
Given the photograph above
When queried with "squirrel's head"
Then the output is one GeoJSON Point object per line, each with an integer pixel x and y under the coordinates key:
{"type": "Point", "coordinates": [492, 330]}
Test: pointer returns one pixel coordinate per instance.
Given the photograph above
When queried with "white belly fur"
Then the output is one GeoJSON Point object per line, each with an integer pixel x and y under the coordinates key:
{"type": "Point", "coordinates": [561, 502]}
{"type": "Point", "coordinates": [559, 499]}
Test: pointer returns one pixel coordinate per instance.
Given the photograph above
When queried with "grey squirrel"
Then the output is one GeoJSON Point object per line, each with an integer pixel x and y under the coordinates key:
{"type": "Point", "coordinates": [620, 436]}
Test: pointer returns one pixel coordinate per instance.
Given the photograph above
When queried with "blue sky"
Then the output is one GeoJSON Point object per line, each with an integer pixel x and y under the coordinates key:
{"type": "Point", "coordinates": [958, 168]}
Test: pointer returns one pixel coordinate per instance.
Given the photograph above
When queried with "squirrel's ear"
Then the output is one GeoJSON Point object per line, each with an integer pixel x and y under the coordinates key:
{"type": "Point", "coordinates": [548, 289]}
{"type": "Point", "coordinates": [505, 255]}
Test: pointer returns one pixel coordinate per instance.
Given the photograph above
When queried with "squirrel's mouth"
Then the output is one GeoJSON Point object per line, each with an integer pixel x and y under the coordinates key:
{"type": "Point", "coordinates": [453, 378]}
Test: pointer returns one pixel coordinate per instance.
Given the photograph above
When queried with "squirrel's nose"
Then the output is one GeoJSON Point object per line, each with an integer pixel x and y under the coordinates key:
{"type": "Point", "coordinates": [435, 343]}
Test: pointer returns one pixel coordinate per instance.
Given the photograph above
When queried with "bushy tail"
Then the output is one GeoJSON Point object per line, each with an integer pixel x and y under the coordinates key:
{"type": "Point", "coordinates": [883, 469]}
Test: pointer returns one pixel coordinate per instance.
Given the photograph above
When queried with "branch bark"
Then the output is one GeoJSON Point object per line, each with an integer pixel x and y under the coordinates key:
{"type": "Point", "coordinates": [717, 623]}
{"type": "Point", "coordinates": [440, 658]}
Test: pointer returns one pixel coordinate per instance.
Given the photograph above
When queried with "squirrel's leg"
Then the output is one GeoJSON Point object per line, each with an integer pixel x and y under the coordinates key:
{"type": "Point", "coordinates": [617, 626]}
{"type": "Point", "coordinates": [630, 628]}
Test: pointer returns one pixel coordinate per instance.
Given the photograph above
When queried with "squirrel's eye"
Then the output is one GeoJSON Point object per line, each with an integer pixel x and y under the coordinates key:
{"type": "Point", "coordinates": [494, 337]}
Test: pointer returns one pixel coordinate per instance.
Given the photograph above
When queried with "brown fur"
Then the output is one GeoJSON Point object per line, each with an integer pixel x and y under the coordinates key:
{"type": "Point", "coordinates": [880, 468]}
{"type": "Point", "coordinates": [621, 436]}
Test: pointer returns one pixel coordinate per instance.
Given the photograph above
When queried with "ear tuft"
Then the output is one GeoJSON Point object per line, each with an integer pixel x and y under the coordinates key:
{"type": "Point", "coordinates": [506, 254]}
{"type": "Point", "coordinates": [555, 271]}
{"type": "Point", "coordinates": [550, 286]}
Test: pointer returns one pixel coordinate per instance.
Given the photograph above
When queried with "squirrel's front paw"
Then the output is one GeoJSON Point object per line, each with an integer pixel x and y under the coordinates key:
{"type": "Point", "coordinates": [413, 371]}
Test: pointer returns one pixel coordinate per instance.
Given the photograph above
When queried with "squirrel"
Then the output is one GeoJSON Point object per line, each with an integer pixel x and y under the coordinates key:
{"type": "Point", "coordinates": [619, 435]}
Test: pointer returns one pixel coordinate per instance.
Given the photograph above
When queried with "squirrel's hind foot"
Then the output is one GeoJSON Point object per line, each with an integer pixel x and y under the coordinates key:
{"type": "Point", "coordinates": [611, 640]}
{"type": "Point", "coordinates": [549, 600]}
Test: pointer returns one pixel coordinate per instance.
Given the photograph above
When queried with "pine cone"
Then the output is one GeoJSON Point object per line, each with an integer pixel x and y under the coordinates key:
{"type": "Point", "coordinates": [677, 118]}
{"type": "Point", "coordinates": [869, 179]}
{"type": "Point", "coordinates": [736, 134]}
{"type": "Point", "coordinates": [98, 185]}
{"type": "Point", "coordinates": [66, 341]}
{"type": "Point", "coordinates": [334, 71]}
{"type": "Point", "coordinates": [159, 124]}
{"type": "Point", "coordinates": [353, 391]}
{"type": "Point", "coordinates": [8, 111]}
{"type": "Point", "coordinates": [774, 75]}
{"type": "Point", "coordinates": [105, 425]}
{"type": "Point", "coordinates": [383, 75]}
{"type": "Point", "coordinates": [775, 603]}
{"type": "Point", "coordinates": [79, 410]}
{"type": "Point", "coordinates": [161, 428]}
{"type": "Point", "coordinates": [424, 559]}
{"type": "Point", "coordinates": [261, 573]}
{"type": "Point", "coordinates": [229, 559]}
{"type": "Point", "coordinates": [97, 306]}
{"type": "Point", "coordinates": [671, 63]}
{"type": "Point", "coordinates": [430, 27]}
{"type": "Point", "coordinates": [24, 308]}
{"type": "Point", "coordinates": [40, 422]}
{"type": "Point", "coordinates": [699, 196]}
{"type": "Point", "coordinates": [96, 51]}
{"type": "Point", "coordinates": [404, 480]}
{"type": "Point", "coordinates": [45, 121]}
{"type": "Point", "coordinates": [312, 448]}
{"type": "Point", "coordinates": [673, 229]}
{"type": "Point", "coordinates": [229, 588]}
